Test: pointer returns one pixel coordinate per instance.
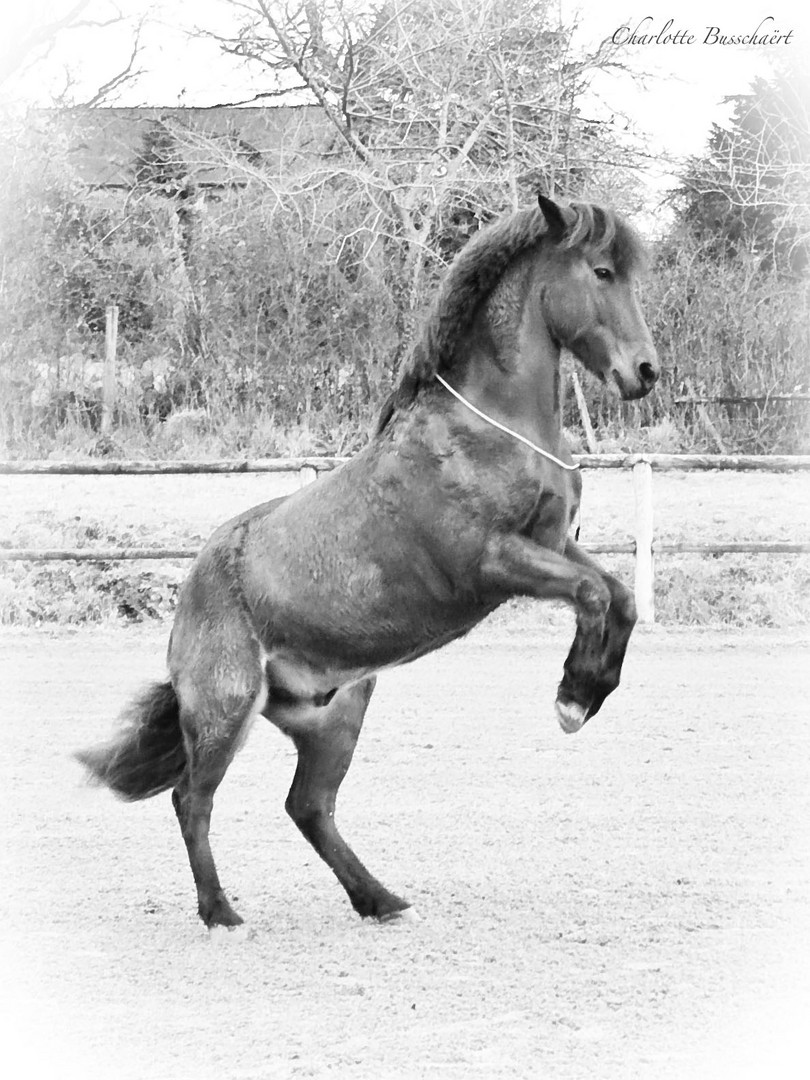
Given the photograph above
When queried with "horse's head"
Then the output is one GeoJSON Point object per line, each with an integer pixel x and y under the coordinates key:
{"type": "Point", "coordinates": [589, 297]}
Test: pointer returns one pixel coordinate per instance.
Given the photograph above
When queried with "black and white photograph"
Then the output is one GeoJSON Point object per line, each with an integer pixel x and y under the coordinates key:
{"type": "Point", "coordinates": [405, 540]}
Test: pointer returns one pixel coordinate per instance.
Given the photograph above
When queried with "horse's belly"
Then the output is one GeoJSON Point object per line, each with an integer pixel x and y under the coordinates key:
{"type": "Point", "coordinates": [308, 676]}
{"type": "Point", "coordinates": [292, 677]}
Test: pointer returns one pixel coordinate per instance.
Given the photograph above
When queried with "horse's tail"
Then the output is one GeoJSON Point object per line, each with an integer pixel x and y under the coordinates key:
{"type": "Point", "coordinates": [147, 755]}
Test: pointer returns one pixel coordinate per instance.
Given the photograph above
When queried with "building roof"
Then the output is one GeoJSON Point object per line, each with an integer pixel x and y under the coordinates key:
{"type": "Point", "coordinates": [106, 143]}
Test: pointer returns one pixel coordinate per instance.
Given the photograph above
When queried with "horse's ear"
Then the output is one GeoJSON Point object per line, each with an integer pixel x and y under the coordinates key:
{"type": "Point", "coordinates": [555, 218]}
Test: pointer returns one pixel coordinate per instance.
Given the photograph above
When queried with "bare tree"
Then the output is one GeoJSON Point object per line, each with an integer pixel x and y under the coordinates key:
{"type": "Point", "coordinates": [46, 27]}
{"type": "Point", "coordinates": [17, 51]}
{"type": "Point", "coordinates": [128, 74]}
{"type": "Point", "coordinates": [442, 112]}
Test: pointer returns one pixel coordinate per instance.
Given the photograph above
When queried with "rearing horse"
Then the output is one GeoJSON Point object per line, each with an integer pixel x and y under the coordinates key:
{"type": "Point", "coordinates": [462, 499]}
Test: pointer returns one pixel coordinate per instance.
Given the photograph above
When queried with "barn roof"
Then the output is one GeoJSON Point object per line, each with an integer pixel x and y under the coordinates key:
{"type": "Point", "coordinates": [105, 142]}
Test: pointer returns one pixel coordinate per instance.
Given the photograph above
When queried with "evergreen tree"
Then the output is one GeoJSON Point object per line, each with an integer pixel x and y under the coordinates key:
{"type": "Point", "coordinates": [750, 192]}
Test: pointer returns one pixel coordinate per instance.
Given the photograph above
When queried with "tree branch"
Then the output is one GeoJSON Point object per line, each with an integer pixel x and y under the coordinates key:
{"type": "Point", "coordinates": [123, 77]}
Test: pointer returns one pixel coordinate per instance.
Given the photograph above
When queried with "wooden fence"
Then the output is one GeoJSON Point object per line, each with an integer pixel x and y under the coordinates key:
{"type": "Point", "coordinates": [643, 545]}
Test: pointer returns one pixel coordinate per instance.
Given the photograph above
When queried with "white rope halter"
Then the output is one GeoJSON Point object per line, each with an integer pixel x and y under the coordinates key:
{"type": "Point", "coordinates": [504, 428]}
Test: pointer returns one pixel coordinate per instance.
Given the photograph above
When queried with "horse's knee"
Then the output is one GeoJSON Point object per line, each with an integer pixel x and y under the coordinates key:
{"type": "Point", "coordinates": [592, 598]}
{"type": "Point", "coordinates": [624, 607]}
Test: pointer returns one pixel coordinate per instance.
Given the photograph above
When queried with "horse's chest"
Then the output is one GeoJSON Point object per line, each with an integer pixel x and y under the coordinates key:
{"type": "Point", "coordinates": [554, 512]}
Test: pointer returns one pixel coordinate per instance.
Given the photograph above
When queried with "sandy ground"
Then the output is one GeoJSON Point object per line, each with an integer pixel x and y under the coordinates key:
{"type": "Point", "coordinates": [629, 902]}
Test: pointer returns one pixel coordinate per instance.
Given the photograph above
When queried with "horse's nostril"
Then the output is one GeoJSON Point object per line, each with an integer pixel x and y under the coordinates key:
{"type": "Point", "coordinates": [648, 373]}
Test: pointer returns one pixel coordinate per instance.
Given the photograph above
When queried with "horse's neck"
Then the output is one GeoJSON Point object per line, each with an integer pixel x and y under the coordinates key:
{"type": "Point", "coordinates": [512, 369]}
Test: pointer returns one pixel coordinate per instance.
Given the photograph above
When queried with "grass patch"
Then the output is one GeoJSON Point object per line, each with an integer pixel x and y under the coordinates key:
{"type": "Point", "coordinates": [733, 590]}
{"type": "Point", "coordinates": [81, 593]}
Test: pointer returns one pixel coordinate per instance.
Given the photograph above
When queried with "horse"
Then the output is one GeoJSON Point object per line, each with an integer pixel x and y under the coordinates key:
{"type": "Point", "coordinates": [462, 499]}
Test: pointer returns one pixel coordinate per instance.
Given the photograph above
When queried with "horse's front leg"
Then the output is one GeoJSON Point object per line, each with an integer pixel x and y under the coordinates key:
{"type": "Point", "coordinates": [522, 567]}
{"type": "Point", "coordinates": [620, 618]}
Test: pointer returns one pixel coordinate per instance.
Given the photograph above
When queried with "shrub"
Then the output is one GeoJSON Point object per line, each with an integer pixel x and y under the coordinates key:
{"type": "Point", "coordinates": [281, 311]}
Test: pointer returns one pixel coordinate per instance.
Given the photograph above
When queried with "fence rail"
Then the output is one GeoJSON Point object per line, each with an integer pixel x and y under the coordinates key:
{"type": "Point", "coordinates": [660, 462]}
{"type": "Point", "coordinates": [644, 546]}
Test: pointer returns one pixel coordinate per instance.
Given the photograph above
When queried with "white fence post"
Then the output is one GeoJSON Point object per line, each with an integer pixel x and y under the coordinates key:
{"type": "Point", "coordinates": [644, 582]}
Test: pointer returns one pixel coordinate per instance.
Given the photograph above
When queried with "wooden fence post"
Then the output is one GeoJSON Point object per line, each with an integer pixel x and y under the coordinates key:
{"type": "Point", "coordinates": [584, 415]}
{"type": "Point", "coordinates": [306, 475]}
{"type": "Point", "coordinates": [108, 383]}
{"type": "Point", "coordinates": [644, 579]}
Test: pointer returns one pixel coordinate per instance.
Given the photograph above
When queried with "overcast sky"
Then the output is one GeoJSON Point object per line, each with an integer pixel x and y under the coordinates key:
{"type": "Point", "coordinates": [682, 97]}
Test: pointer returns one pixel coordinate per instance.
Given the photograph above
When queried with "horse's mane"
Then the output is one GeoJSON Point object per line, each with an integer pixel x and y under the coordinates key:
{"type": "Point", "coordinates": [478, 268]}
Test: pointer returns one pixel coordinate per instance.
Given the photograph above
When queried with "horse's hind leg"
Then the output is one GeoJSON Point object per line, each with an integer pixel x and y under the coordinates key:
{"type": "Point", "coordinates": [218, 688]}
{"type": "Point", "coordinates": [325, 749]}
{"type": "Point", "coordinates": [193, 800]}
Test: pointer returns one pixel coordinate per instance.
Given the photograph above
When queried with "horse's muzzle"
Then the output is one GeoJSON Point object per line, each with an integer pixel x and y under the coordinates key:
{"type": "Point", "coordinates": [648, 374]}
{"type": "Point", "coordinates": [640, 384]}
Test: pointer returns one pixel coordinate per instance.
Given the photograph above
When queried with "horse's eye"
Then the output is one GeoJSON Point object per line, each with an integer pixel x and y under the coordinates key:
{"type": "Point", "coordinates": [603, 273]}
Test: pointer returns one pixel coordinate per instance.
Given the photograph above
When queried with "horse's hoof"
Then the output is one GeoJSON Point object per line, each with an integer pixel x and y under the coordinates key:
{"type": "Point", "coordinates": [230, 935]}
{"type": "Point", "coordinates": [571, 716]}
{"type": "Point", "coordinates": [406, 915]}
